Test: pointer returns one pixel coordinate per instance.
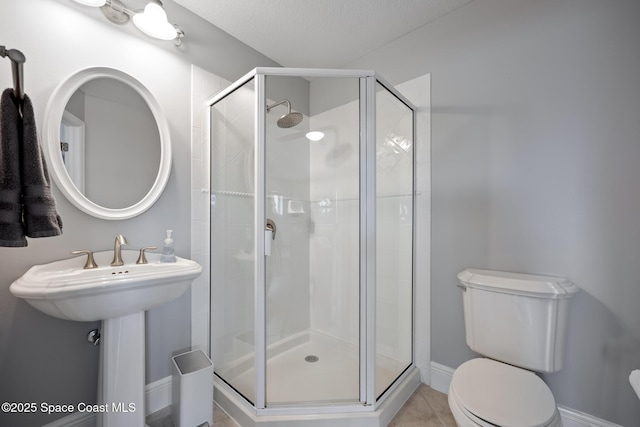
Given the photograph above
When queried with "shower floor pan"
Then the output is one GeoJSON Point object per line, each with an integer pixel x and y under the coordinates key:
{"type": "Point", "coordinates": [314, 369]}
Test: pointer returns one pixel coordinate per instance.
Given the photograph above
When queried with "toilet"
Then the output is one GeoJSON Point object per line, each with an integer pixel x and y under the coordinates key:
{"type": "Point", "coordinates": [518, 322]}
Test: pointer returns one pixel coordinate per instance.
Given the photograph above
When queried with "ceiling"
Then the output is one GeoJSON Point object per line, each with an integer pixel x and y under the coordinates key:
{"type": "Point", "coordinates": [318, 33]}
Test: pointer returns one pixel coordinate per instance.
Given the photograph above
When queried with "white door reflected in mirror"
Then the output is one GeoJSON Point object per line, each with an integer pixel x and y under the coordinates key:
{"type": "Point", "coordinates": [72, 148]}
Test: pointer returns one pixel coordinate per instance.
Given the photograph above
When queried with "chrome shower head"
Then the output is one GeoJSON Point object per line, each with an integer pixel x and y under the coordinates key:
{"type": "Point", "coordinates": [288, 120]}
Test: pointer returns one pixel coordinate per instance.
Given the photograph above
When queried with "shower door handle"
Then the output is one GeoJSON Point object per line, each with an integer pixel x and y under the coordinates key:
{"type": "Point", "coordinates": [271, 226]}
{"type": "Point", "coordinates": [269, 236]}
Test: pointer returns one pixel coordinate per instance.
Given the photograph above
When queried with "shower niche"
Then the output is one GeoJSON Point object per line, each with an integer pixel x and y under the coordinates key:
{"type": "Point", "coordinates": [312, 249]}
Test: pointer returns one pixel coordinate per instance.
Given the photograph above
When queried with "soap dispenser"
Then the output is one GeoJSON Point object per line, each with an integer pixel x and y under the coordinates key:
{"type": "Point", "coordinates": [168, 253]}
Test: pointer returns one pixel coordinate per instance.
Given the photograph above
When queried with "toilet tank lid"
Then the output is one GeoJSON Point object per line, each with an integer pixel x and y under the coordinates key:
{"type": "Point", "coordinates": [518, 283]}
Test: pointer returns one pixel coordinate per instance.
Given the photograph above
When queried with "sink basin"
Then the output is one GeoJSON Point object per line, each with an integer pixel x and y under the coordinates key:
{"type": "Point", "coordinates": [118, 296]}
{"type": "Point", "coordinates": [65, 290]}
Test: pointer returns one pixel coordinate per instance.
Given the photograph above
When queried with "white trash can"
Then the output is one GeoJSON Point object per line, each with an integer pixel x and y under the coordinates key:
{"type": "Point", "coordinates": [192, 389]}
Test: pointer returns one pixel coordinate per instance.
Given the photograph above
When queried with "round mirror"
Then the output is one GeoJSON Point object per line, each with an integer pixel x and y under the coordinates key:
{"type": "Point", "coordinates": [107, 143]}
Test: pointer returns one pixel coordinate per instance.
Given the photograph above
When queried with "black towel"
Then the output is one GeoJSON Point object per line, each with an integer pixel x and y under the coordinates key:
{"type": "Point", "coordinates": [23, 171]}
{"type": "Point", "coordinates": [11, 228]}
{"type": "Point", "coordinates": [39, 214]}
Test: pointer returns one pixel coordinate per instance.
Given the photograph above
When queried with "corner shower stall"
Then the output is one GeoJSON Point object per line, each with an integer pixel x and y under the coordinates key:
{"type": "Point", "coordinates": [312, 252]}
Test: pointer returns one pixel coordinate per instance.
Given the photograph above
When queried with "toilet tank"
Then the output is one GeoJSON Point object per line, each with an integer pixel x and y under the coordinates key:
{"type": "Point", "coordinates": [519, 319]}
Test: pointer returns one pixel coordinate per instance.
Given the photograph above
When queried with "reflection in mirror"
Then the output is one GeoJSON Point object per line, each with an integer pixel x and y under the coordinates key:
{"type": "Point", "coordinates": [72, 148]}
{"type": "Point", "coordinates": [108, 129]}
{"type": "Point", "coordinates": [107, 143]}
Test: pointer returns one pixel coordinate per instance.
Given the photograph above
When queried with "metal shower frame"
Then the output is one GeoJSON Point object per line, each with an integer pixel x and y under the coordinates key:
{"type": "Point", "coordinates": [367, 345]}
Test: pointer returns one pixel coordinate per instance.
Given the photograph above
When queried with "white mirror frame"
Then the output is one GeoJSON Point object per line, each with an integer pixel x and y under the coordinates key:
{"type": "Point", "coordinates": [51, 146]}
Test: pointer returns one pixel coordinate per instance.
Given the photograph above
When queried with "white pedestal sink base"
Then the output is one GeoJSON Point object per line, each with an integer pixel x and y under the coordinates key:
{"type": "Point", "coordinates": [66, 290]}
{"type": "Point", "coordinates": [121, 386]}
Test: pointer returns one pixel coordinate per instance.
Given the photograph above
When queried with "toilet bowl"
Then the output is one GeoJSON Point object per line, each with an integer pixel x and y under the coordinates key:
{"type": "Point", "coordinates": [488, 393]}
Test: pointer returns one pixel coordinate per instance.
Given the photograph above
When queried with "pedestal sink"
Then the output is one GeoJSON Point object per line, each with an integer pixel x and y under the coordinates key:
{"type": "Point", "coordinates": [118, 296]}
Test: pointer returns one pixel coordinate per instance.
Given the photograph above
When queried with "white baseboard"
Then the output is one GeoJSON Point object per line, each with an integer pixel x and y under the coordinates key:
{"type": "Point", "coordinates": [157, 396]}
{"type": "Point", "coordinates": [77, 419]}
{"type": "Point", "coordinates": [441, 379]}
{"type": "Point", "coordinates": [572, 418]}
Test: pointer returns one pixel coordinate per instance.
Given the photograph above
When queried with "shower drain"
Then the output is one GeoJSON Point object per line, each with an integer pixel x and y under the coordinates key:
{"type": "Point", "coordinates": [311, 358]}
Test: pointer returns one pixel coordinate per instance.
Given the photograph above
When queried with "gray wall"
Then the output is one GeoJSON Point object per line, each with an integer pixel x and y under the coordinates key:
{"type": "Point", "coordinates": [536, 144]}
{"type": "Point", "coordinates": [43, 359]}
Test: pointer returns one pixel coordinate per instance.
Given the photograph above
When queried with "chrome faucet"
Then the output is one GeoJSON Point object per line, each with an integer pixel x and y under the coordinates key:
{"type": "Point", "coordinates": [117, 250]}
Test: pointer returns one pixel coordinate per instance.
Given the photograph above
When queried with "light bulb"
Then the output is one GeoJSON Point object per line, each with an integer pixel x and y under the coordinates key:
{"type": "Point", "coordinates": [153, 22]}
{"type": "Point", "coordinates": [314, 135]}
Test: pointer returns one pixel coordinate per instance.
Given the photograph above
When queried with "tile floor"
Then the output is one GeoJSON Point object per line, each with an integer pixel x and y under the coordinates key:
{"type": "Point", "coordinates": [425, 408]}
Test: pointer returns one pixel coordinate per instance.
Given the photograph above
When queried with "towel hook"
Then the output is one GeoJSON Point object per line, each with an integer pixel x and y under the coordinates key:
{"type": "Point", "coordinates": [17, 60]}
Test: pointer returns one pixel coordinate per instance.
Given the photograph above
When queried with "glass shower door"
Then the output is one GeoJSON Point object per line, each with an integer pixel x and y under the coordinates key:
{"type": "Point", "coordinates": [233, 239]}
{"type": "Point", "coordinates": [312, 273]}
{"type": "Point", "coordinates": [394, 237]}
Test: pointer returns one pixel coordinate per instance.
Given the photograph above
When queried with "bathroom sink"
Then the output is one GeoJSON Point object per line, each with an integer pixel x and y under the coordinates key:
{"type": "Point", "coordinates": [65, 290]}
{"type": "Point", "coordinates": [118, 296]}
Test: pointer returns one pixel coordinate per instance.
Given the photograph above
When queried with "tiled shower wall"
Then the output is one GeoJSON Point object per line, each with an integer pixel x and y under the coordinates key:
{"type": "Point", "coordinates": [335, 242]}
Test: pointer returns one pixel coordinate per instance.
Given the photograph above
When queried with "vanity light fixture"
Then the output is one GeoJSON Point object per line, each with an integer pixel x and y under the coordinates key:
{"type": "Point", "coordinates": [152, 20]}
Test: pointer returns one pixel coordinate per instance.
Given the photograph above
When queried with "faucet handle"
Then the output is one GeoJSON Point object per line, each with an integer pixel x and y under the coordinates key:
{"type": "Point", "coordinates": [141, 258]}
{"type": "Point", "coordinates": [91, 263]}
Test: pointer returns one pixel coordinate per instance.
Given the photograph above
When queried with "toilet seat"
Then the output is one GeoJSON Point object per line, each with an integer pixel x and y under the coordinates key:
{"type": "Point", "coordinates": [463, 417]}
{"type": "Point", "coordinates": [490, 393]}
